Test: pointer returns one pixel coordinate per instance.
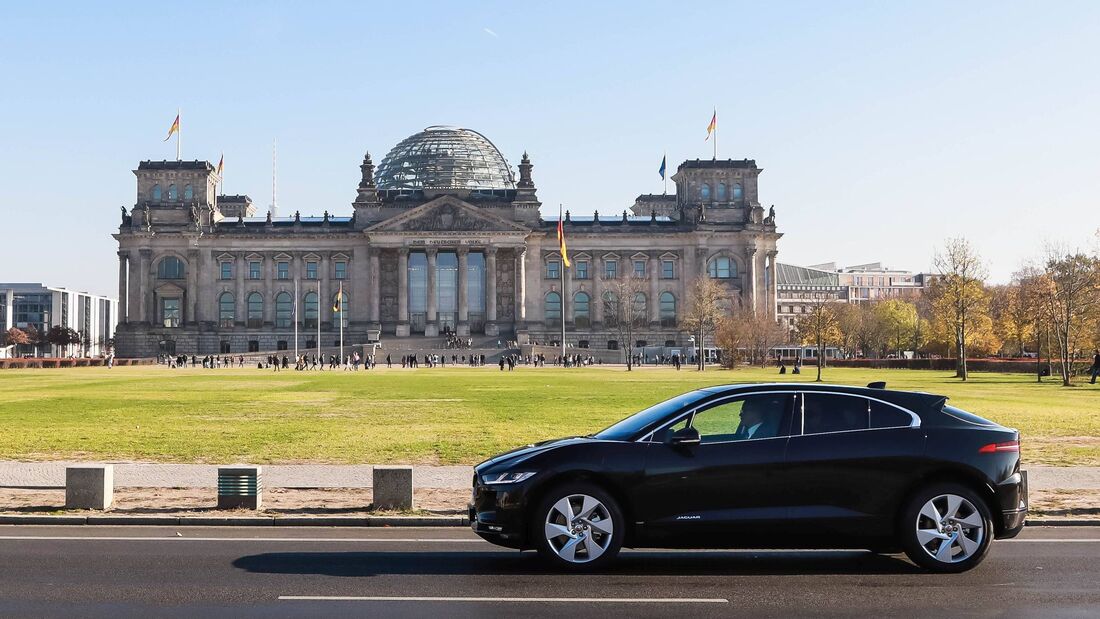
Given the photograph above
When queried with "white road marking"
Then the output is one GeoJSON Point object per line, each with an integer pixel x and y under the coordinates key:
{"type": "Point", "coordinates": [363, 598]}
{"type": "Point", "coordinates": [1059, 540]}
{"type": "Point", "coordinates": [406, 540]}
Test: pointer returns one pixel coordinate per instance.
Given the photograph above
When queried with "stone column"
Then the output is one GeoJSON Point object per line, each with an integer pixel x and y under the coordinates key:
{"type": "Point", "coordinates": [463, 326]}
{"type": "Point", "coordinates": [145, 288]}
{"type": "Point", "coordinates": [750, 277]}
{"type": "Point", "coordinates": [375, 286]}
{"type": "Point", "coordinates": [490, 284]}
{"type": "Point", "coordinates": [597, 290]}
{"type": "Point", "coordinates": [566, 294]}
{"type": "Point", "coordinates": [240, 312]}
{"type": "Point", "coordinates": [324, 304]}
{"type": "Point", "coordinates": [359, 268]}
{"type": "Point", "coordinates": [191, 292]}
{"type": "Point", "coordinates": [654, 306]}
{"type": "Point", "coordinates": [123, 290]}
{"type": "Point", "coordinates": [773, 284]}
{"type": "Point", "coordinates": [403, 291]}
{"type": "Point", "coordinates": [433, 303]}
{"type": "Point", "coordinates": [521, 285]}
{"type": "Point", "coordinates": [269, 289]}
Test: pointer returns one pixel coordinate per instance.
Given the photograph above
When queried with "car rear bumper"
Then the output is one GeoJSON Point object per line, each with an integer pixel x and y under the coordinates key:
{"type": "Point", "coordinates": [1012, 499]}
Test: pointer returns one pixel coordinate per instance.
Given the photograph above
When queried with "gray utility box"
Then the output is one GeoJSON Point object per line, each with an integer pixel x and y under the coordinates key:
{"type": "Point", "coordinates": [239, 487]}
{"type": "Point", "coordinates": [393, 487]}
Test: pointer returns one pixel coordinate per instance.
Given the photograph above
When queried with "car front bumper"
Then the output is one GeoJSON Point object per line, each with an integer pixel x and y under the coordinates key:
{"type": "Point", "coordinates": [497, 514]}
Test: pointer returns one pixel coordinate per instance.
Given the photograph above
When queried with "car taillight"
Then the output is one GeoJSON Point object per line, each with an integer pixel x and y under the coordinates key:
{"type": "Point", "coordinates": [994, 448]}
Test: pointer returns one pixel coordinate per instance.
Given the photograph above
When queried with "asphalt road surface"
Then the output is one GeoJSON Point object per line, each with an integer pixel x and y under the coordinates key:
{"type": "Point", "coordinates": [314, 572]}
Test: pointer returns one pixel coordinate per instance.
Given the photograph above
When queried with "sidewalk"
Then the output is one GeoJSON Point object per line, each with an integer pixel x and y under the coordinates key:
{"type": "Point", "coordinates": [150, 475]}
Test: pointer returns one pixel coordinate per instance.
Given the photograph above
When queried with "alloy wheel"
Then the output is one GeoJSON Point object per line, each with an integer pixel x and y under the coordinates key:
{"type": "Point", "coordinates": [950, 528]}
{"type": "Point", "coordinates": [579, 528]}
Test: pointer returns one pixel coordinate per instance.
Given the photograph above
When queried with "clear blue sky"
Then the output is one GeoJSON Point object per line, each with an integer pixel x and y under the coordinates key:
{"type": "Point", "coordinates": [883, 127]}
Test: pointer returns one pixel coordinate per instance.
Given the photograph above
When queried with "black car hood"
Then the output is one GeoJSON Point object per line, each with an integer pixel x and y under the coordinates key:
{"type": "Point", "coordinates": [521, 454]}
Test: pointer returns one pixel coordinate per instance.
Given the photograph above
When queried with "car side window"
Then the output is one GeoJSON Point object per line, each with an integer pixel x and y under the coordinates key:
{"type": "Point", "coordinates": [834, 412]}
{"type": "Point", "coordinates": [749, 417]}
{"type": "Point", "coordinates": [886, 416]}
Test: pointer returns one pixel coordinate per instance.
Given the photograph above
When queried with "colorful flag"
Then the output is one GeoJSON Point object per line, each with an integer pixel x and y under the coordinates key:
{"type": "Point", "coordinates": [713, 126]}
{"type": "Point", "coordinates": [339, 297]}
{"type": "Point", "coordinates": [661, 170]}
{"type": "Point", "coordinates": [221, 164]}
{"type": "Point", "coordinates": [174, 128]}
{"type": "Point", "coordinates": [561, 240]}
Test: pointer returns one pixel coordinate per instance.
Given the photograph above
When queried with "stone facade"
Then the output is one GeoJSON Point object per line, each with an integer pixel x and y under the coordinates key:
{"type": "Point", "coordinates": [197, 277]}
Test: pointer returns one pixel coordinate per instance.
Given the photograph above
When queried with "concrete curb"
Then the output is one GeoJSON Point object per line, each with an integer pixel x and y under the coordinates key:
{"type": "Point", "coordinates": [239, 521]}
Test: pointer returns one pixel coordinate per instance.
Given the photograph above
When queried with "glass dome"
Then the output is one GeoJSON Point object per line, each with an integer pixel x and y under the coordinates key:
{"type": "Point", "coordinates": [445, 158]}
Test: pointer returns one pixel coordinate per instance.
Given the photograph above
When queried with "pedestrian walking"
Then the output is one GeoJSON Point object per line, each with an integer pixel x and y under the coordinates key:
{"type": "Point", "coordinates": [1095, 366]}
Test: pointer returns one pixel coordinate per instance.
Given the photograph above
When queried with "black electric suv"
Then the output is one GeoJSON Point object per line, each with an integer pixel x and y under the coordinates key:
{"type": "Point", "coordinates": [764, 466]}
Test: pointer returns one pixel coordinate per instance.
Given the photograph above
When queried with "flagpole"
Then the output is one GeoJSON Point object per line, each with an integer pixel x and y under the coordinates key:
{"type": "Point", "coordinates": [715, 134]}
{"type": "Point", "coordinates": [561, 273]}
{"type": "Point", "coordinates": [340, 304]}
{"type": "Point", "coordinates": [179, 131]}
{"type": "Point", "coordinates": [319, 324]}
{"type": "Point", "coordinates": [295, 319]}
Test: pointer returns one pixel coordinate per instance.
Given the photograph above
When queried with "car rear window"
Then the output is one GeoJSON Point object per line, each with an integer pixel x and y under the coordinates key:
{"type": "Point", "coordinates": [886, 416]}
{"type": "Point", "coordinates": [962, 415]}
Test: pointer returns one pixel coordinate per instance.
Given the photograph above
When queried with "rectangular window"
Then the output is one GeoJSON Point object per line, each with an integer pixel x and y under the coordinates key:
{"type": "Point", "coordinates": [668, 269]}
{"type": "Point", "coordinates": [582, 269]}
{"type": "Point", "coordinates": [834, 413]}
{"type": "Point", "coordinates": [610, 269]}
{"type": "Point", "coordinates": [553, 269]}
{"type": "Point", "coordinates": [254, 271]}
{"type": "Point", "coordinates": [227, 270]}
{"type": "Point", "coordinates": [341, 269]}
{"type": "Point", "coordinates": [253, 345]}
{"type": "Point", "coordinates": [639, 268]}
{"type": "Point", "coordinates": [311, 270]}
{"type": "Point", "coordinates": [170, 312]}
{"type": "Point", "coordinates": [284, 270]}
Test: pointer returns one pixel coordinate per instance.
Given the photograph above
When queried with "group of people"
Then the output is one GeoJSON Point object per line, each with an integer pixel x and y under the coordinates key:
{"type": "Point", "coordinates": [431, 361]}
{"type": "Point", "coordinates": [302, 363]}
{"type": "Point", "coordinates": [783, 366]}
{"type": "Point", "coordinates": [209, 361]}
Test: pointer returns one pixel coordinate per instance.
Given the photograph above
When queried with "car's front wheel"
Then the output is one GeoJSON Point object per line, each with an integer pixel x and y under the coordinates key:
{"type": "Point", "coordinates": [946, 528]}
{"type": "Point", "coordinates": [578, 526]}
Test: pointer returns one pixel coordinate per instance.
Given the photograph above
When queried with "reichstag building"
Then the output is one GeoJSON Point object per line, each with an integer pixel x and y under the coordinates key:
{"type": "Point", "coordinates": [442, 238]}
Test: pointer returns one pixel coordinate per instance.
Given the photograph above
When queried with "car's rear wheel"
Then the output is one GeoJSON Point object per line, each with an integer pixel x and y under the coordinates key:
{"type": "Point", "coordinates": [578, 526]}
{"type": "Point", "coordinates": [946, 528]}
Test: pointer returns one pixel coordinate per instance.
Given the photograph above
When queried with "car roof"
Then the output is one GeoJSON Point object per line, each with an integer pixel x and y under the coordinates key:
{"type": "Point", "coordinates": [916, 401]}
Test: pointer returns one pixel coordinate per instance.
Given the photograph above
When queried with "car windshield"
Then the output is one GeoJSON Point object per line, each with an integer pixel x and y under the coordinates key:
{"type": "Point", "coordinates": [629, 427]}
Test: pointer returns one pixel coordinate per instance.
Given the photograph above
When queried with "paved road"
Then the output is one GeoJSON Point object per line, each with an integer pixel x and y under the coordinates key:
{"type": "Point", "coordinates": [243, 572]}
{"type": "Point", "coordinates": [152, 475]}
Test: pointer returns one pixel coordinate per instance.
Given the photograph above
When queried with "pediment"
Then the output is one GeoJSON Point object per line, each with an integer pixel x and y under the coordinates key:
{"type": "Point", "coordinates": [447, 214]}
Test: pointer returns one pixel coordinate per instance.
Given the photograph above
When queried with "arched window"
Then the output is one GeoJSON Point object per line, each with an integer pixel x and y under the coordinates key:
{"type": "Point", "coordinates": [580, 309]}
{"type": "Point", "coordinates": [638, 309]}
{"type": "Point", "coordinates": [738, 192]}
{"type": "Point", "coordinates": [668, 309]}
{"type": "Point", "coordinates": [721, 192]}
{"type": "Point", "coordinates": [255, 310]}
{"type": "Point", "coordinates": [156, 193]}
{"type": "Point", "coordinates": [722, 267]}
{"type": "Point", "coordinates": [553, 307]}
{"type": "Point", "coordinates": [704, 191]}
{"type": "Point", "coordinates": [312, 306]}
{"type": "Point", "coordinates": [172, 194]}
{"type": "Point", "coordinates": [284, 309]}
{"type": "Point", "coordinates": [227, 309]}
{"type": "Point", "coordinates": [170, 267]}
{"type": "Point", "coordinates": [340, 308]}
{"type": "Point", "coordinates": [188, 193]}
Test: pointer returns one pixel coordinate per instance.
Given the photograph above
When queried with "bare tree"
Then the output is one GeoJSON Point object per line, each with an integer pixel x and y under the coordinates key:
{"type": "Point", "coordinates": [960, 284]}
{"type": "Point", "coordinates": [1071, 294]}
{"type": "Point", "coordinates": [705, 311]}
{"type": "Point", "coordinates": [820, 328]}
{"type": "Point", "coordinates": [624, 302]}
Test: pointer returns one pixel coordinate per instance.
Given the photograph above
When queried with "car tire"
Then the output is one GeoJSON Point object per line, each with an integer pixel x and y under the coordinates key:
{"type": "Point", "coordinates": [946, 528]}
{"type": "Point", "coordinates": [588, 537]}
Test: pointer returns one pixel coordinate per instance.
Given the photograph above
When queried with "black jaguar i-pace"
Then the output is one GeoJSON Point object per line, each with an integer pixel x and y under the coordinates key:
{"type": "Point", "coordinates": [764, 466]}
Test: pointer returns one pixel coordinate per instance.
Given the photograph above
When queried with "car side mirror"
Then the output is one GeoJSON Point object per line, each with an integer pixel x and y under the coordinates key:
{"type": "Point", "coordinates": [685, 436]}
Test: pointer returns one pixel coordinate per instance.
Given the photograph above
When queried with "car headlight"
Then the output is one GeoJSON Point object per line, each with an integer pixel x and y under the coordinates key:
{"type": "Point", "coordinates": [507, 477]}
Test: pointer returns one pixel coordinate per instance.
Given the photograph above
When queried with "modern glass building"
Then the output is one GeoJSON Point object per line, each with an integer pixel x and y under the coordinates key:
{"type": "Point", "coordinates": [35, 308]}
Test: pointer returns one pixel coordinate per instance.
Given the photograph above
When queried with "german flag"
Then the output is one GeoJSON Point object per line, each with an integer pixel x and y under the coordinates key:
{"type": "Point", "coordinates": [175, 128]}
{"type": "Point", "coordinates": [561, 240]}
{"type": "Point", "coordinates": [713, 126]}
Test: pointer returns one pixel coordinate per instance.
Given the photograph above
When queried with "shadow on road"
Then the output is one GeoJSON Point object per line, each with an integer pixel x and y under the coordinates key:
{"type": "Point", "coordinates": [639, 563]}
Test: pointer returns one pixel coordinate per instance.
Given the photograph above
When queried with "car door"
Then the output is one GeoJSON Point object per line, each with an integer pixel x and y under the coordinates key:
{"type": "Point", "coordinates": [723, 488]}
{"type": "Point", "coordinates": [849, 460]}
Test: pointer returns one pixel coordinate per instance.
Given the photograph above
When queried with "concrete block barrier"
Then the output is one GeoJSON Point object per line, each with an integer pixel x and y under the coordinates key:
{"type": "Point", "coordinates": [393, 487]}
{"type": "Point", "coordinates": [89, 486]}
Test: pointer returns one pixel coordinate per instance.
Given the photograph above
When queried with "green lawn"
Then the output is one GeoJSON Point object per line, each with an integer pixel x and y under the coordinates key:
{"type": "Point", "coordinates": [444, 416]}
